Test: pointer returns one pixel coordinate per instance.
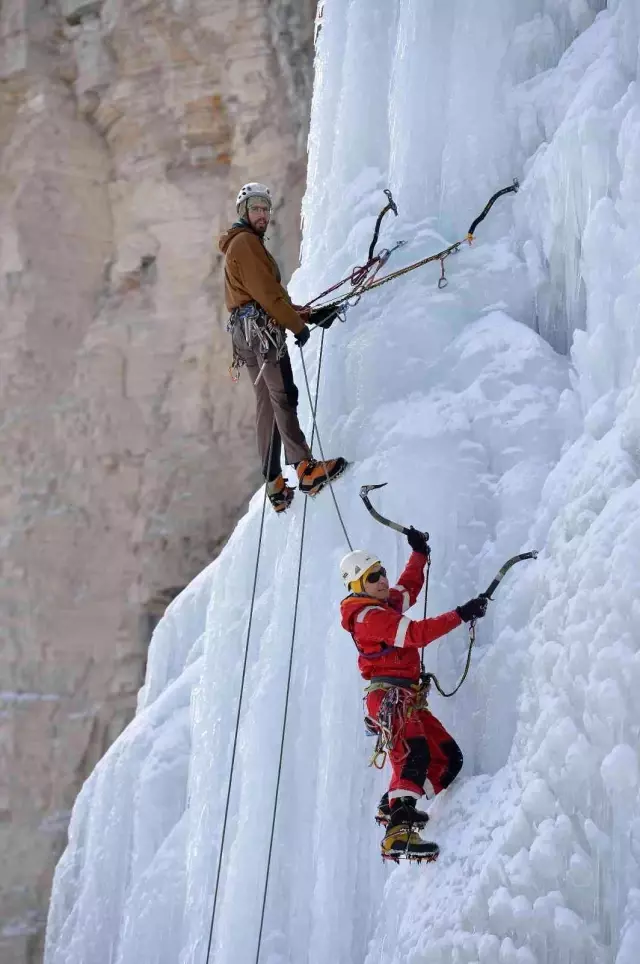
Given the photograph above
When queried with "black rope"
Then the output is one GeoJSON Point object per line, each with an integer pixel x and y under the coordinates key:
{"type": "Point", "coordinates": [242, 682]}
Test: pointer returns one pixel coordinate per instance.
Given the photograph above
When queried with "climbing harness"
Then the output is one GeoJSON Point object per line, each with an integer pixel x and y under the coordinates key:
{"type": "Point", "coordinates": [440, 256]}
{"type": "Point", "coordinates": [401, 700]}
{"type": "Point", "coordinates": [428, 678]}
{"type": "Point", "coordinates": [261, 333]}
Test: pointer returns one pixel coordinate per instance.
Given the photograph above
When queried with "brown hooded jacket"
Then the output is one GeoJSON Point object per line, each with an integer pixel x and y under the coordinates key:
{"type": "Point", "coordinates": [252, 274]}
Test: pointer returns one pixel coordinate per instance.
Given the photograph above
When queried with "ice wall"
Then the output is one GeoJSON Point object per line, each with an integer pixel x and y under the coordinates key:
{"type": "Point", "coordinates": [504, 413]}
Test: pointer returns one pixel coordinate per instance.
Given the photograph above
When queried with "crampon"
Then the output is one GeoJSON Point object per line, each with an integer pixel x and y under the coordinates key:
{"type": "Point", "coordinates": [403, 843]}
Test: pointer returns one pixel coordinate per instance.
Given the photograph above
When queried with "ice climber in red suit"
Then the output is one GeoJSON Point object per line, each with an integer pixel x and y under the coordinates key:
{"type": "Point", "coordinates": [424, 757]}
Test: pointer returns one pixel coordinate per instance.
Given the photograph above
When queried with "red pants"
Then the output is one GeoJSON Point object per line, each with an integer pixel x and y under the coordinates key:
{"type": "Point", "coordinates": [424, 757]}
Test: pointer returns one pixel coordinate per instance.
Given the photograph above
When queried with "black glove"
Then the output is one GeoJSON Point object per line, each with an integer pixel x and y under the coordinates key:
{"type": "Point", "coordinates": [474, 609]}
{"type": "Point", "coordinates": [418, 541]}
{"type": "Point", "coordinates": [323, 317]}
{"type": "Point", "coordinates": [303, 337]}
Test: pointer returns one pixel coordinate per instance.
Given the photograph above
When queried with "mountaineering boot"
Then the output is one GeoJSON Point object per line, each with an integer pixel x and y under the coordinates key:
{"type": "Point", "coordinates": [418, 818]}
{"type": "Point", "coordinates": [401, 840]}
{"type": "Point", "coordinates": [314, 475]}
{"type": "Point", "coordinates": [280, 494]}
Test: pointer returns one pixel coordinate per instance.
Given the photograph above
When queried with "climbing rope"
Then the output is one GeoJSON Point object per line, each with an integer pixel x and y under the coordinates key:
{"type": "Point", "coordinates": [316, 432]}
{"type": "Point", "coordinates": [284, 731]}
{"type": "Point", "coordinates": [313, 404]}
{"type": "Point", "coordinates": [242, 682]}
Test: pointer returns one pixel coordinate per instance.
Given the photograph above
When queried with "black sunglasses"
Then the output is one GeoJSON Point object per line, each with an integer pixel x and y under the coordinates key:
{"type": "Point", "coordinates": [378, 574]}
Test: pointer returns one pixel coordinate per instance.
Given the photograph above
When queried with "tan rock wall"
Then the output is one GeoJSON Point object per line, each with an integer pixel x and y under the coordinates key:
{"type": "Point", "coordinates": [126, 454]}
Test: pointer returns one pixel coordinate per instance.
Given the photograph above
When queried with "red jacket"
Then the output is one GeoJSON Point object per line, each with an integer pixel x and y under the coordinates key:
{"type": "Point", "coordinates": [387, 641]}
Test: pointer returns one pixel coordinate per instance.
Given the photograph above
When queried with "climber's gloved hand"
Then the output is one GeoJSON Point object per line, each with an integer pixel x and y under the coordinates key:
{"type": "Point", "coordinates": [323, 317]}
{"type": "Point", "coordinates": [418, 541]}
{"type": "Point", "coordinates": [303, 337]}
{"type": "Point", "coordinates": [303, 312]}
{"type": "Point", "coordinates": [474, 609]}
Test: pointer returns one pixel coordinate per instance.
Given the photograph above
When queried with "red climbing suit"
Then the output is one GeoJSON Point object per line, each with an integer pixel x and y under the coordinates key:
{"type": "Point", "coordinates": [424, 757]}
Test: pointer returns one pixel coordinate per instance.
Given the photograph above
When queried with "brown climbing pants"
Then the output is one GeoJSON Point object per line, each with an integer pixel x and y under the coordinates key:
{"type": "Point", "coordinates": [276, 404]}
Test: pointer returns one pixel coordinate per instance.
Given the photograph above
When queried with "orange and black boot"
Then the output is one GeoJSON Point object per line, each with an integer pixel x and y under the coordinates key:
{"type": "Point", "coordinates": [280, 494]}
{"type": "Point", "coordinates": [314, 475]}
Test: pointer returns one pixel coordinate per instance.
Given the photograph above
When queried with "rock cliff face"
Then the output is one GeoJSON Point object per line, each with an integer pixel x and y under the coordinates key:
{"type": "Point", "coordinates": [126, 127]}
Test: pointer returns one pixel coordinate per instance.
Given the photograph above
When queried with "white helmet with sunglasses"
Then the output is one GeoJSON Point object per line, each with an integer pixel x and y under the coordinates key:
{"type": "Point", "coordinates": [355, 565]}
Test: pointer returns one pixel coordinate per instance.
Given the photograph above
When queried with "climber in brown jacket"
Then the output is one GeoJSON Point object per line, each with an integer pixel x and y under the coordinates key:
{"type": "Point", "coordinates": [261, 313]}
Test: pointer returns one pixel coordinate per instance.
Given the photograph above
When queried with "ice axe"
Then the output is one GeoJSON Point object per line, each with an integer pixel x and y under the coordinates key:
{"type": "Point", "coordinates": [493, 585]}
{"type": "Point", "coordinates": [364, 495]}
{"type": "Point", "coordinates": [390, 206]}
{"type": "Point", "coordinates": [488, 593]}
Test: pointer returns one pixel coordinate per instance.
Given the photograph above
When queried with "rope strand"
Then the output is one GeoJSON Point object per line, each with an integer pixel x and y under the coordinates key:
{"type": "Point", "coordinates": [314, 406]}
{"type": "Point", "coordinates": [432, 678]}
{"type": "Point", "coordinates": [315, 427]}
{"type": "Point", "coordinates": [284, 731]}
{"type": "Point", "coordinates": [242, 682]}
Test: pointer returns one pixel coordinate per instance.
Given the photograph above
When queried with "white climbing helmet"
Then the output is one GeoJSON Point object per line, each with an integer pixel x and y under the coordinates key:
{"type": "Point", "coordinates": [253, 189]}
{"type": "Point", "coordinates": [355, 564]}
